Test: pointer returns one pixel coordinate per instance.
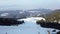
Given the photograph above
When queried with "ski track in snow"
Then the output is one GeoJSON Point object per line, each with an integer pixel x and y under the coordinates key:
{"type": "Point", "coordinates": [29, 27]}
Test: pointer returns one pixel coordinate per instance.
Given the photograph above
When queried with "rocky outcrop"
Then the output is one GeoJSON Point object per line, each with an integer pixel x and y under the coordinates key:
{"type": "Point", "coordinates": [10, 21]}
{"type": "Point", "coordinates": [49, 25]}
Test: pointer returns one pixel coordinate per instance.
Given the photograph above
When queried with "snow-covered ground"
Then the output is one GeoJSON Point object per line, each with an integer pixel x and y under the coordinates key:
{"type": "Point", "coordinates": [32, 19]}
{"type": "Point", "coordinates": [29, 27]}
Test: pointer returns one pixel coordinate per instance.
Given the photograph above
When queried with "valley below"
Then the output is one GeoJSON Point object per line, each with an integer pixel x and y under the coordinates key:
{"type": "Point", "coordinates": [29, 27]}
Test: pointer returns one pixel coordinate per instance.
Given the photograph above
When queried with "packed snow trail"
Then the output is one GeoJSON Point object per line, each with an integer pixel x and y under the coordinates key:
{"type": "Point", "coordinates": [29, 27]}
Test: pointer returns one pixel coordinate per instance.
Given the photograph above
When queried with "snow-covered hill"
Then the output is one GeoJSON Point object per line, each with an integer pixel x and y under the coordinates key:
{"type": "Point", "coordinates": [27, 13]}
{"type": "Point", "coordinates": [32, 19]}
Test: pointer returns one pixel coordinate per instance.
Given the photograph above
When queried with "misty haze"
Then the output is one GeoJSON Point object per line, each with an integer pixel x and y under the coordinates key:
{"type": "Point", "coordinates": [29, 16]}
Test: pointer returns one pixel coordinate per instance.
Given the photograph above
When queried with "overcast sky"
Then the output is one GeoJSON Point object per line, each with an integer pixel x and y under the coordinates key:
{"type": "Point", "coordinates": [29, 4]}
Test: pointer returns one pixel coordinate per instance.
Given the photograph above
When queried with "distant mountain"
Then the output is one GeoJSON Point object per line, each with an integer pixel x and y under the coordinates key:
{"type": "Point", "coordinates": [13, 14]}
{"type": "Point", "coordinates": [24, 13]}
{"type": "Point", "coordinates": [37, 12]}
{"type": "Point", "coordinates": [40, 10]}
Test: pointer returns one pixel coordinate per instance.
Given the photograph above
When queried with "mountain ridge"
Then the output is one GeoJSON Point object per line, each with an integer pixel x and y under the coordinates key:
{"type": "Point", "coordinates": [26, 13]}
